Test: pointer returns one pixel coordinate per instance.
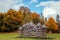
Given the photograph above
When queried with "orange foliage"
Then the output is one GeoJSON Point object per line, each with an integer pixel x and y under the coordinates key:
{"type": "Point", "coordinates": [14, 17]}
{"type": "Point", "coordinates": [35, 18]}
{"type": "Point", "coordinates": [35, 15]}
{"type": "Point", "coordinates": [51, 24]}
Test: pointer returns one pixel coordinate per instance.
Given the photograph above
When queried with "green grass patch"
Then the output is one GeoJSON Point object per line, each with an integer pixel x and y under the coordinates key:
{"type": "Point", "coordinates": [13, 36]}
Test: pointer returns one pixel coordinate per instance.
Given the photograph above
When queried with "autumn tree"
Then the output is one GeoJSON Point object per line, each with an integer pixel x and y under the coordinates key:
{"type": "Point", "coordinates": [26, 14]}
{"type": "Point", "coordinates": [42, 21]}
{"type": "Point", "coordinates": [13, 19]}
{"type": "Point", "coordinates": [35, 18]}
{"type": "Point", "coordinates": [51, 24]}
{"type": "Point", "coordinates": [1, 20]}
{"type": "Point", "coordinates": [58, 22]}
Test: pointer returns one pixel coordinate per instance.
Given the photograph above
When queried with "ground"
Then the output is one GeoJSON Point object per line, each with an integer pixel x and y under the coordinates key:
{"type": "Point", "coordinates": [13, 36]}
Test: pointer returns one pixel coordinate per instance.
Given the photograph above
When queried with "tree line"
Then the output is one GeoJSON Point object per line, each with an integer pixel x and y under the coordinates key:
{"type": "Point", "coordinates": [12, 20]}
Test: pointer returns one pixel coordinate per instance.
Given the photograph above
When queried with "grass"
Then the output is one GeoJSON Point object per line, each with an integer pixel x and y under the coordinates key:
{"type": "Point", "coordinates": [13, 36]}
{"type": "Point", "coordinates": [55, 36]}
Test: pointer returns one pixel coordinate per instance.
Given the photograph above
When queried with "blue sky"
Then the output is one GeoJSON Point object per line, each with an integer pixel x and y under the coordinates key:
{"type": "Point", "coordinates": [47, 7]}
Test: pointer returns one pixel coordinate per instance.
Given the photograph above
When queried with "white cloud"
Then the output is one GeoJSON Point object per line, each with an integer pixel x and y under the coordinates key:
{"type": "Point", "coordinates": [42, 4]}
{"type": "Point", "coordinates": [33, 1]}
{"type": "Point", "coordinates": [7, 4]}
{"type": "Point", "coordinates": [54, 0]}
{"type": "Point", "coordinates": [54, 5]}
{"type": "Point", "coordinates": [47, 12]}
{"type": "Point", "coordinates": [16, 7]}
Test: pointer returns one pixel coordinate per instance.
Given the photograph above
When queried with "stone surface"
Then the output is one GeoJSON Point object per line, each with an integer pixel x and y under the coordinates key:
{"type": "Point", "coordinates": [32, 30]}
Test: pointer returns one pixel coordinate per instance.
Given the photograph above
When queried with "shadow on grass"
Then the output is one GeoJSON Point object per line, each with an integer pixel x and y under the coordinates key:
{"type": "Point", "coordinates": [41, 38]}
{"type": "Point", "coordinates": [49, 38]}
